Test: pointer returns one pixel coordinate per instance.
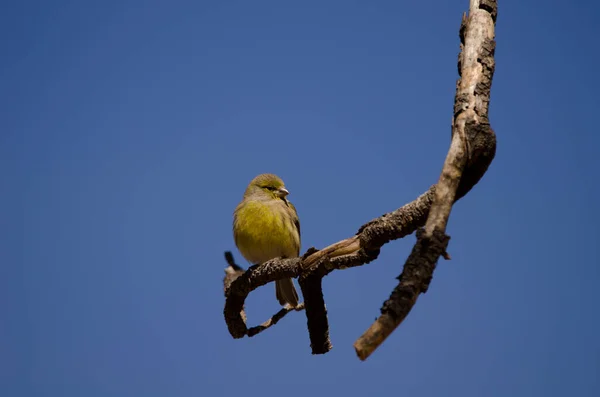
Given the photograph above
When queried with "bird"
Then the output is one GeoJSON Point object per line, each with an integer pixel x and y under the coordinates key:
{"type": "Point", "coordinates": [266, 226]}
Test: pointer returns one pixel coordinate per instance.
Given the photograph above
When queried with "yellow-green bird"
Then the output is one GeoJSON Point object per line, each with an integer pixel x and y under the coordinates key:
{"type": "Point", "coordinates": [266, 226]}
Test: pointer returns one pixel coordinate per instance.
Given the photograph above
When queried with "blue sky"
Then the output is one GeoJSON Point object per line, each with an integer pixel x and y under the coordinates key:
{"type": "Point", "coordinates": [129, 130]}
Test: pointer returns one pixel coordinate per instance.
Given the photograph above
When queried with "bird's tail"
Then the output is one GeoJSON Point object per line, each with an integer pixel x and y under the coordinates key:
{"type": "Point", "coordinates": [286, 292]}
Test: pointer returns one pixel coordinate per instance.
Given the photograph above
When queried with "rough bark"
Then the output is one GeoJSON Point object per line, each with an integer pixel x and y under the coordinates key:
{"type": "Point", "coordinates": [316, 264]}
{"type": "Point", "coordinates": [472, 149]}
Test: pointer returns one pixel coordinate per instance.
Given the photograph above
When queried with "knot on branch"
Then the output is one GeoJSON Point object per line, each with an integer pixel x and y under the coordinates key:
{"type": "Point", "coordinates": [491, 6]}
{"type": "Point", "coordinates": [481, 144]}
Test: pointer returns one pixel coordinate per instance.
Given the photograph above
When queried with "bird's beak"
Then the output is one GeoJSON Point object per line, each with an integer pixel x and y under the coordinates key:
{"type": "Point", "coordinates": [282, 192]}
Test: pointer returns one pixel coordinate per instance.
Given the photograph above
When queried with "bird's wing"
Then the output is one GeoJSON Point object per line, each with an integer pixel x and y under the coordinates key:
{"type": "Point", "coordinates": [296, 220]}
{"type": "Point", "coordinates": [295, 217]}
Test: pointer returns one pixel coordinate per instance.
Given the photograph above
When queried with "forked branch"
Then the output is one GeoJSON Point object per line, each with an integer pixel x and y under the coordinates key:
{"type": "Point", "coordinates": [472, 149]}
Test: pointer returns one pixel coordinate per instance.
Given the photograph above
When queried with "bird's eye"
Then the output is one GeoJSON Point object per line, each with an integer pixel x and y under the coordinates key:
{"type": "Point", "coordinates": [269, 188]}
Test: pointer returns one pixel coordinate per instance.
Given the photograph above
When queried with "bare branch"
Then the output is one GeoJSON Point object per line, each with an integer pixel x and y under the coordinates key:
{"type": "Point", "coordinates": [471, 151]}
{"type": "Point", "coordinates": [354, 251]}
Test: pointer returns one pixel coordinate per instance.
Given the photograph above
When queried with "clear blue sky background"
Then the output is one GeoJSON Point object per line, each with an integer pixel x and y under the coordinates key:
{"type": "Point", "coordinates": [130, 129]}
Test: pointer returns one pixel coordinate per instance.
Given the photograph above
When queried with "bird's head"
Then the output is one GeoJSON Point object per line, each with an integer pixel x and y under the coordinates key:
{"type": "Point", "coordinates": [267, 185]}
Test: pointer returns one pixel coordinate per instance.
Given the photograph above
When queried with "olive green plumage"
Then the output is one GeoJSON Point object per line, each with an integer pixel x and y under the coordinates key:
{"type": "Point", "coordinates": [266, 226]}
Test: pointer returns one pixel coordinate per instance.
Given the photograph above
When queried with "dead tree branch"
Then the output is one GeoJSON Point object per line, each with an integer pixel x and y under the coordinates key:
{"type": "Point", "coordinates": [472, 149]}
{"type": "Point", "coordinates": [316, 264]}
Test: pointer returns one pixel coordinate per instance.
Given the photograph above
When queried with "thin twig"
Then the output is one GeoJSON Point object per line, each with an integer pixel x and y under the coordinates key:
{"type": "Point", "coordinates": [274, 319]}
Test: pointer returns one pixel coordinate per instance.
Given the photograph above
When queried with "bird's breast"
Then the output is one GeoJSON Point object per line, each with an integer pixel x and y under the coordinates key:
{"type": "Point", "coordinates": [263, 231]}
